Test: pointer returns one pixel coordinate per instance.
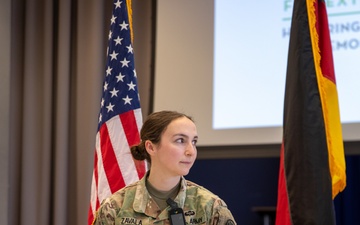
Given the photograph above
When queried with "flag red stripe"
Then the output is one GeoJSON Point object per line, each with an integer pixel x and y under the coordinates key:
{"type": "Point", "coordinates": [327, 62]}
{"type": "Point", "coordinates": [94, 200]}
{"type": "Point", "coordinates": [140, 168]}
{"type": "Point", "coordinates": [96, 175]}
{"type": "Point", "coordinates": [130, 128]}
{"type": "Point", "coordinates": [282, 212]}
{"type": "Point", "coordinates": [110, 163]}
{"type": "Point", "coordinates": [90, 215]}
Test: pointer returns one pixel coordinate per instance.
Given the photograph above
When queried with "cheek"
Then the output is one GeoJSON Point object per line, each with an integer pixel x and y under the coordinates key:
{"type": "Point", "coordinates": [174, 152]}
{"type": "Point", "coordinates": [170, 152]}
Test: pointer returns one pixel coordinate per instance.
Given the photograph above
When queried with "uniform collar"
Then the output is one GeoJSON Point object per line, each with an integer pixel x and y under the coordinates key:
{"type": "Point", "coordinates": [143, 203]}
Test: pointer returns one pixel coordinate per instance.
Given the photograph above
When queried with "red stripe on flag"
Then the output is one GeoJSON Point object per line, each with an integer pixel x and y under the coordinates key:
{"type": "Point", "coordinates": [94, 194]}
{"type": "Point", "coordinates": [140, 168]}
{"type": "Point", "coordinates": [96, 177]}
{"type": "Point", "coordinates": [96, 174]}
{"type": "Point", "coordinates": [90, 215]}
{"type": "Point", "coordinates": [326, 62]}
{"type": "Point", "coordinates": [110, 163]}
{"type": "Point", "coordinates": [130, 127]}
{"type": "Point", "coordinates": [282, 209]}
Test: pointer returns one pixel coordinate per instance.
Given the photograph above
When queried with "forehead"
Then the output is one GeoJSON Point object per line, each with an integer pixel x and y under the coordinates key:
{"type": "Point", "coordinates": [182, 125]}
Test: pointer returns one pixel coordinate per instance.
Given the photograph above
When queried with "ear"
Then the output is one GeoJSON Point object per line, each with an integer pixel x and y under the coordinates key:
{"type": "Point", "coordinates": [150, 148]}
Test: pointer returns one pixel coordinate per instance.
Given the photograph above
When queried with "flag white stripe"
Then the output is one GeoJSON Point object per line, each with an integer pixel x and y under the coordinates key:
{"type": "Point", "coordinates": [139, 123]}
{"type": "Point", "coordinates": [103, 184]}
{"type": "Point", "coordinates": [139, 119]}
{"type": "Point", "coordinates": [93, 197]}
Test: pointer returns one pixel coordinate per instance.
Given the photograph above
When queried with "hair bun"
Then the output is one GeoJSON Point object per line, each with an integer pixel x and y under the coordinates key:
{"type": "Point", "coordinates": [137, 153]}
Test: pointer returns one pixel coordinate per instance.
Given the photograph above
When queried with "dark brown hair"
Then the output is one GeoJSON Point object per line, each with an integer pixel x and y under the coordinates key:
{"type": "Point", "coordinates": [152, 129]}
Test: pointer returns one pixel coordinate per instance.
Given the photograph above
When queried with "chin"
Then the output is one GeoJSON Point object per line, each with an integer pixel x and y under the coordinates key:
{"type": "Point", "coordinates": [185, 173]}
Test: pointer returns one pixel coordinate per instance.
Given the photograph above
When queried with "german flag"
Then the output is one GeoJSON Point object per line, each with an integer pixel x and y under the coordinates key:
{"type": "Point", "coordinates": [312, 162]}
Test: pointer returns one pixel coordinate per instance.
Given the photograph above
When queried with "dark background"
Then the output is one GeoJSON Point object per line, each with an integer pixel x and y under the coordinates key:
{"type": "Point", "coordinates": [252, 182]}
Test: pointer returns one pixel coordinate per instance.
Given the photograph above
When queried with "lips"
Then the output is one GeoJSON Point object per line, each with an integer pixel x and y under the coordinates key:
{"type": "Point", "coordinates": [186, 162]}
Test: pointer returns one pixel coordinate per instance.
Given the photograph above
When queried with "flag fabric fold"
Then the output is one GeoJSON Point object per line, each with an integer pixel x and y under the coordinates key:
{"type": "Point", "coordinates": [120, 117]}
{"type": "Point", "coordinates": [312, 162]}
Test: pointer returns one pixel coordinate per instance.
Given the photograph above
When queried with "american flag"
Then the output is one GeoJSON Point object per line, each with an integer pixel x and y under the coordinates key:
{"type": "Point", "coordinates": [120, 117]}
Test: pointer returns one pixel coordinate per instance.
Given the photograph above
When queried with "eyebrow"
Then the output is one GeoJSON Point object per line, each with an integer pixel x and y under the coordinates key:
{"type": "Point", "coordinates": [184, 135]}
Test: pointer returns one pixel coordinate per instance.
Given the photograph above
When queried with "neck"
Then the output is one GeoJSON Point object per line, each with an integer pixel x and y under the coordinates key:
{"type": "Point", "coordinates": [161, 182]}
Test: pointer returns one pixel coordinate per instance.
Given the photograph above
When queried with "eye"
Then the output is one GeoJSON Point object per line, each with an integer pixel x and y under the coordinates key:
{"type": "Point", "coordinates": [180, 140]}
{"type": "Point", "coordinates": [194, 142]}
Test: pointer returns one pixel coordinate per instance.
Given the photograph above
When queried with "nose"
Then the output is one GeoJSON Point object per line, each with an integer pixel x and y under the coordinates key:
{"type": "Point", "coordinates": [190, 149]}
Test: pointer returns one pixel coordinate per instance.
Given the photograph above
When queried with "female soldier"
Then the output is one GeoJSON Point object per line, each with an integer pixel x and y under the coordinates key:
{"type": "Point", "coordinates": [163, 196]}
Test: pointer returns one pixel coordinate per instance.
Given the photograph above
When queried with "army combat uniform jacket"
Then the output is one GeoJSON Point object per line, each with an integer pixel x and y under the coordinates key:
{"type": "Point", "coordinates": [132, 205]}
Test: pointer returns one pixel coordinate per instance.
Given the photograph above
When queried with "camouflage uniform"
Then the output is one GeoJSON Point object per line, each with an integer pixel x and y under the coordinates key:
{"type": "Point", "coordinates": [133, 205]}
